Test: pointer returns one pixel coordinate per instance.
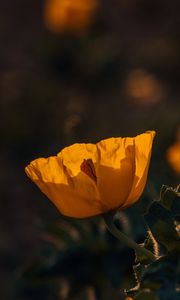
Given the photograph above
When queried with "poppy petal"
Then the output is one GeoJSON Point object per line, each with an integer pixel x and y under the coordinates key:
{"type": "Point", "coordinates": [143, 147]}
{"type": "Point", "coordinates": [115, 172]}
{"type": "Point", "coordinates": [73, 195]}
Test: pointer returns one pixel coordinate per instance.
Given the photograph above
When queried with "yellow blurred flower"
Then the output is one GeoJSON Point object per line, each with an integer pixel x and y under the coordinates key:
{"type": "Point", "coordinates": [173, 154]}
{"type": "Point", "coordinates": [73, 16]}
{"type": "Point", "coordinates": [85, 180]}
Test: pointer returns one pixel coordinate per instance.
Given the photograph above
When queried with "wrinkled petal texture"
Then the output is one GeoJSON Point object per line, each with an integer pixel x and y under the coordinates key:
{"type": "Point", "coordinates": [71, 195]}
{"type": "Point", "coordinates": [121, 166]}
{"type": "Point", "coordinates": [142, 154]}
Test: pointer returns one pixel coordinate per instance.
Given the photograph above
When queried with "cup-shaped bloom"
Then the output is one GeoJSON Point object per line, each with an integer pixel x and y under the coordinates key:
{"type": "Point", "coordinates": [85, 180]}
{"type": "Point", "coordinates": [73, 16]}
{"type": "Point", "coordinates": [173, 156]}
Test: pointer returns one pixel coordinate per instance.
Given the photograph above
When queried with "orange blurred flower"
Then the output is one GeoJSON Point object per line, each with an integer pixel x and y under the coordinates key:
{"type": "Point", "coordinates": [85, 180]}
{"type": "Point", "coordinates": [73, 16]}
{"type": "Point", "coordinates": [173, 154]}
{"type": "Point", "coordinates": [143, 88]}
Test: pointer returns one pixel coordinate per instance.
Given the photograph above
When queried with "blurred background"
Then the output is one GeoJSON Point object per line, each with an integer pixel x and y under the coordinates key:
{"type": "Point", "coordinates": [80, 71]}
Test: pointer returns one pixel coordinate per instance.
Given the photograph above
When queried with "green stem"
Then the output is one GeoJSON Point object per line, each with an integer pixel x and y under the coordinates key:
{"type": "Point", "coordinates": [108, 218]}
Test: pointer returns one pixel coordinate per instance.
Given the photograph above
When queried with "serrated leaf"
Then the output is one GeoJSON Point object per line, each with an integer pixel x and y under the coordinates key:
{"type": "Point", "coordinates": [138, 271]}
{"type": "Point", "coordinates": [141, 258]}
{"type": "Point", "coordinates": [170, 198]}
{"type": "Point", "coordinates": [161, 273]}
{"type": "Point", "coordinates": [162, 225]}
{"type": "Point", "coordinates": [150, 244]}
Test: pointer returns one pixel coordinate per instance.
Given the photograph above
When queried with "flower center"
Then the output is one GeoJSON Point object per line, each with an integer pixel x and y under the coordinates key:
{"type": "Point", "coordinates": [88, 168]}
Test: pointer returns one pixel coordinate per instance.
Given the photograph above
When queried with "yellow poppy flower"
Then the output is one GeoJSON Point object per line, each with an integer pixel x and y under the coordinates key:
{"type": "Point", "coordinates": [72, 16]}
{"type": "Point", "coordinates": [85, 180]}
{"type": "Point", "coordinates": [173, 156]}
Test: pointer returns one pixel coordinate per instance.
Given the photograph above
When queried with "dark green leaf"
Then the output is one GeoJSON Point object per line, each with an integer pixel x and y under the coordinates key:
{"type": "Point", "coordinates": [150, 244]}
{"type": "Point", "coordinates": [170, 198]}
{"type": "Point", "coordinates": [162, 225]}
{"type": "Point", "coordinates": [141, 258]}
{"type": "Point", "coordinates": [161, 273]}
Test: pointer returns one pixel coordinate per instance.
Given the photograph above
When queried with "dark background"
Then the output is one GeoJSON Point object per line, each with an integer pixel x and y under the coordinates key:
{"type": "Point", "coordinates": [121, 78]}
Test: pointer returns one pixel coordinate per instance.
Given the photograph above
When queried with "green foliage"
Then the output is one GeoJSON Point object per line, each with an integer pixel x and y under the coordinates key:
{"type": "Point", "coordinates": [169, 198]}
{"type": "Point", "coordinates": [162, 224]}
{"type": "Point", "coordinates": [83, 256]}
{"type": "Point", "coordinates": [159, 280]}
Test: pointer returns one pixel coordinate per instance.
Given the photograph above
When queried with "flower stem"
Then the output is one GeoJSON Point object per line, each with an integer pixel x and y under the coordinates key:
{"type": "Point", "coordinates": [108, 218]}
